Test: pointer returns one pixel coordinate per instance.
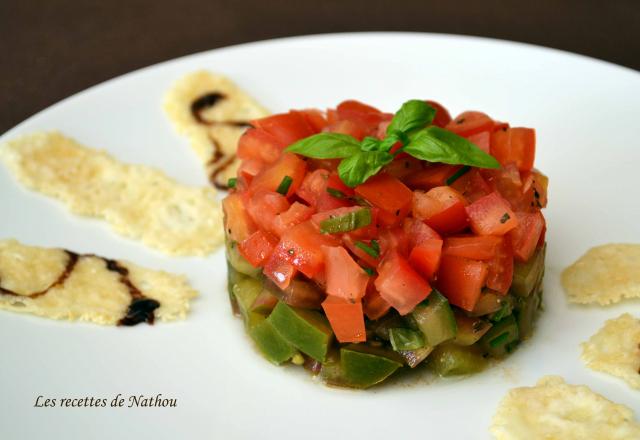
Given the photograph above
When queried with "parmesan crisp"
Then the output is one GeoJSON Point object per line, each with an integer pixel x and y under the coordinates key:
{"type": "Point", "coordinates": [615, 349]}
{"type": "Point", "coordinates": [59, 284]}
{"type": "Point", "coordinates": [212, 113]}
{"type": "Point", "coordinates": [554, 410]}
{"type": "Point", "coordinates": [604, 275]}
{"type": "Point", "coordinates": [138, 202]}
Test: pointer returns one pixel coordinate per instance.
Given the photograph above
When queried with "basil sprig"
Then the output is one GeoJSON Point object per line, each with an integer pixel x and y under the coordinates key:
{"type": "Point", "coordinates": [409, 126]}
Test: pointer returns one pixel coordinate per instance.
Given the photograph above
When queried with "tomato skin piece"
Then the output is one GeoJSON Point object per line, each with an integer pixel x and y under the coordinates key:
{"type": "Point", "coordinates": [425, 257]}
{"type": "Point", "coordinates": [390, 195]}
{"type": "Point", "coordinates": [344, 277]}
{"type": "Point", "coordinates": [399, 284]}
{"type": "Point", "coordinates": [442, 117]}
{"type": "Point", "coordinates": [270, 178]}
{"type": "Point", "coordinates": [491, 215]}
{"type": "Point", "coordinates": [514, 145]}
{"type": "Point", "coordinates": [469, 123]}
{"type": "Point", "coordinates": [442, 208]}
{"type": "Point", "coordinates": [483, 247]}
{"type": "Point", "coordinates": [500, 268]}
{"type": "Point", "coordinates": [286, 128]}
{"type": "Point", "coordinates": [301, 246]}
{"type": "Point", "coordinates": [525, 238]}
{"type": "Point", "coordinates": [461, 280]}
{"type": "Point", "coordinates": [257, 248]}
{"type": "Point", "coordinates": [375, 306]}
{"type": "Point", "coordinates": [237, 222]}
{"type": "Point", "coordinates": [346, 319]}
{"type": "Point", "coordinates": [259, 145]}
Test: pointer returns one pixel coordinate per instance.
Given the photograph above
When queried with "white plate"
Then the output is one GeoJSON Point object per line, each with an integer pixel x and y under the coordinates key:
{"type": "Point", "coordinates": [585, 113]}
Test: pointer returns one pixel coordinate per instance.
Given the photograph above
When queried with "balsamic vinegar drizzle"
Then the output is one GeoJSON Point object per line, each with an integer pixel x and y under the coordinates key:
{"type": "Point", "coordinates": [219, 161]}
{"type": "Point", "coordinates": [141, 308]}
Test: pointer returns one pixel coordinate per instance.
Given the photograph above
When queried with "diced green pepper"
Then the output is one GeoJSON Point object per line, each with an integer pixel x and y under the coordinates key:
{"type": "Point", "coordinates": [272, 345]}
{"type": "Point", "coordinates": [435, 319]}
{"type": "Point", "coordinates": [348, 222]}
{"type": "Point", "coordinates": [307, 330]}
{"type": "Point", "coordinates": [233, 276]}
{"type": "Point", "coordinates": [470, 330]}
{"type": "Point", "coordinates": [501, 338]}
{"type": "Point", "coordinates": [238, 262]}
{"type": "Point", "coordinates": [527, 275]}
{"type": "Point", "coordinates": [526, 310]}
{"type": "Point", "coordinates": [382, 326]}
{"type": "Point", "coordinates": [414, 357]}
{"type": "Point", "coordinates": [405, 339]}
{"type": "Point", "coordinates": [507, 303]}
{"type": "Point", "coordinates": [489, 302]}
{"type": "Point", "coordinates": [364, 366]}
{"type": "Point", "coordinates": [246, 291]}
{"type": "Point", "coordinates": [450, 360]}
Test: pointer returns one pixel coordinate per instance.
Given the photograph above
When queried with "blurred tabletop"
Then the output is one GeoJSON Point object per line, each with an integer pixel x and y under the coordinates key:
{"type": "Point", "coordinates": [54, 48]}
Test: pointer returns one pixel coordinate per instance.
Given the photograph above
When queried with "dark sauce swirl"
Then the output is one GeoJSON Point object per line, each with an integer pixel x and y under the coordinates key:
{"type": "Point", "coordinates": [140, 309]}
{"type": "Point", "coordinates": [219, 162]}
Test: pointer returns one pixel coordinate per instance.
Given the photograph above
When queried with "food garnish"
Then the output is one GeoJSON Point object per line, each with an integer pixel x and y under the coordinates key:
{"type": "Point", "coordinates": [604, 275]}
{"type": "Point", "coordinates": [553, 409]}
{"type": "Point", "coordinates": [61, 284]}
{"type": "Point", "coordinates": [615, 349]}
{"type": "Point", "coordinates": [138, 202]}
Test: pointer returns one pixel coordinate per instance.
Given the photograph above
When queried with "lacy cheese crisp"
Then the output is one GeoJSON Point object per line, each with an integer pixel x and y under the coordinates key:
{"type": "Point", "coordinates": [615, 349]}
{"type": "Point", "coordinates": [553, 409]}
{"type": "Point", "coordinates": [604, 275]}
{"type": "Point", "coordinates": [212, 112]}
{"type": "Point", "coordinates": [139, 202]}
{"type": "Point", "coordinates": [61, 284]}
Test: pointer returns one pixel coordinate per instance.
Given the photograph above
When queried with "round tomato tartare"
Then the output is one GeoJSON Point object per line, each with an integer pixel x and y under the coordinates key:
{"type": "Point", "coordinates": [360, 243]}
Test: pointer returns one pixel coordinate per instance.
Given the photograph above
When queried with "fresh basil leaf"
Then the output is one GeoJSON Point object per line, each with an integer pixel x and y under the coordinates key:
{"type": "Point", "coordinates": [390, 140]}
{"type": "Point", "coordinates": [370, 144]}
{"type": "Point", "coordinates": [358, 168]}
{"type": "Point", "coordinates": [326, 146]}
{"type": "Point", "coordinates": [413, 114]}
{"type": "Point", "coordinates": [438, 145]}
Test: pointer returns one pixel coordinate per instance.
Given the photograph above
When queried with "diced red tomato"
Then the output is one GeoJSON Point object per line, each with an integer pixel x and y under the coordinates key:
{"type": "Point", "coordinates": [482, 140]}
{"type": "Point", "coordinates": [418, 231]}
{"type": "Point", "coordinates": [461, 280]}
{"type": "Point", "coordinates": [399, 284]}
{"type": "Point", "coordinates": [278, 269]}
{"type": "Point", "coordinates": [508, 183]}
{"type": "Point", "coordinates": [470, 123]}
{"type": "Point", "coordinates": [525, 237]}
{"type": "Point", "coordinates": [270, 178]}
{"type": "Point", "coordinates": [514, 145]}
{"type": "Point", "coordinates": [491, 215]}
{"type": "Point", "coordinates": [285, 127]}
{"type": "Point", "coordinates": [297, 213]}
{"type": "Point", "coordinates": [434, 175]}
{"type": "Point", "coordinates": [350, 242]}
{"type": "Point", "coordinates": [347, 127]}
{"type": "Point", "coordinates": [237, 222]}
{"type": "Point", "coordinates": [362, 114]}
{"type": "Point", "coordinates": [394, 240]}
{"type": "Point", "coordinates": [249, 169]}
{"type": "Point", "coordinates": [388, 194]}
{"type": "Point", "coordinates": [375, 306]}
{"type": "Point", "coordinates": [257, 247]}
{"type": "Point", "coordinates": [442, 208]}
{"type": "Point", "coordinates": [442, 117]}
{"type": "Point", "coordinates": [264, 206]}
{"type": "Point", "coordinates": [302, 247]}
{"type": "Point", "coordinates": [500, 268]}
{"type": "Point", "coordinates": [402, 167]}
{"type": "Point", "coordinates": [534, 188]}
{"type": "Point", "coordinates": [259, 145]}
{"type": "Point", "coordinates": [483, 247]}
{"type": "Point", "coordinates": [314, 118]}
{"type": "Point", "coordinates": [472, 186]}
{"type": "Point", "coordinates": [314, 184]}
{"type": "Point", "coordinates": [344, 277]}
{"type": "Point", "coordinates": [425, 257]}
{"type": "Point", "coordinates": [346, 319]}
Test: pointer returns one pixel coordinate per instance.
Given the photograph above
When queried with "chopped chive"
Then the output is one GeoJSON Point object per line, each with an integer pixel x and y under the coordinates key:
{"type": "Point", "coordinates": [369, 271]}
{"type": "Point", "coordinates": [348, 222]}
{"type": "Point", "coordinates": [458, 174]}
{"type": "Point", "coordinates": [231, 183]}
{"type": "Point", "coordinates": [283, 188]}
{"type": "Point", "coordinates": [505, 218]}
{"type": "Point", "coordinates": [336, 193]}
{"type": "Point", "coordinates": [373, 250]}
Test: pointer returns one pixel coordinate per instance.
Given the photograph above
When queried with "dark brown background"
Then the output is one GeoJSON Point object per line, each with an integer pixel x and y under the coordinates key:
{"type": "Point", "coordinates": [53, 48]}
